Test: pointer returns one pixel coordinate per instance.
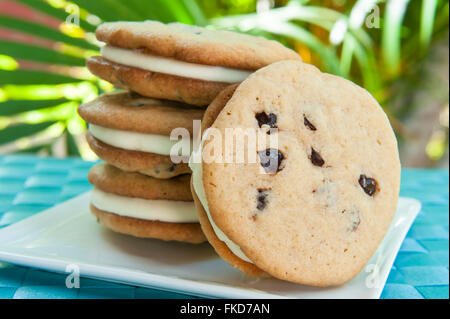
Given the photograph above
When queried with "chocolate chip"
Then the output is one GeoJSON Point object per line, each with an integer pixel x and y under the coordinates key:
{"type": "Point", "coordinates": [264, 119]}
{"type": "Point", "coordinates": [369, 185]}
{"type": "Point", "coordinates": [262, 199]}
{"type": "Point", "coordinates": [140, 103]}
{"type": "Point", "coordinates": [308, 124]}
{"type": "Point", "coordinates": [316, 159]}
{"type": "Point", "coordinates": [271, 160]}
{"type": "Point", "coordinates": [134, 95]}
{"type": "Point", "coordinates": [171, 168]}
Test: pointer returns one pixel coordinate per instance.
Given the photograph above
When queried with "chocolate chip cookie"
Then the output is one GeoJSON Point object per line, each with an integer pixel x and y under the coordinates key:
{"type": "Point", "coordinates": [180, 62]}
{"type": "Point", "coordinates": [132, 132]}
{"type": "Point", "coordinates": [145, 207]}
{"type": "Point", "coordinates": [313, 207]}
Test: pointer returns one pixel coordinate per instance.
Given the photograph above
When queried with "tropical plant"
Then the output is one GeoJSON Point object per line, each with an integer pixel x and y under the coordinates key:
{"type": "Point", "coordinates": [372, 42]}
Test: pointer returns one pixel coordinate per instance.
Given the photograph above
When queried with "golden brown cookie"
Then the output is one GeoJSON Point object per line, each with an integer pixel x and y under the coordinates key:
{"type": "Point", "coordinates": [157, 85]}
{"type": "Point", "coordinates": [154, 165]}
{"type": "Point", "coordinates": [195, 44]}
{"type": "Point", "coordinates": [127, 111]}
{"type": "Point", "coordinates": [142, 206]}
{"type": "Point", "coordinates": [113, 180]}
{"type": "Point", "coordinates": [219, 246]}
{"type": "Point", "coordinates": [189, 233]}
{"type": "Point", "coordinates": [133, 132]}
{"type": "Point", "coordinates": [216, 106]}
{"type": "Point", "coordinates": [180, 62]}
{"type": "Point", "coordinates": [314, 209]}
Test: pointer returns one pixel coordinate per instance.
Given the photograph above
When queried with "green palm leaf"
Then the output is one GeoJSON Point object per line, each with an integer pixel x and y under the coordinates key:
{"type": "Point", "coordinates": [72, 148]}
{"type": "Point", "coordinates": [41, 31]}
{"type": "Point", "coordinates": [327, 54]}
{"type": "Point", "coordinates": [13, 107]}
{"type": "Point", "coordinates": [28, 52]}
{"type": "Point", "coordinates": [15, 132]}
{"type": "Point", "coordinates": [28, 77]}
{"type": "Point", "coordinates": [46, 148]}
{"type": "Point", "coordinates": [427, 22]}
{"type": "Point", "coordinates": [57, 13]}
{"type": "Point", "coordinates": [391, 41]}
{"type": "Point", "coordinates": [356, 54]}
{"type": "Point", "coordinates": [143, 9]}
{"type": "Point", "coordinates": [108, 10]}
{"type": "Point", "coordinates": [177, 11]}
{"type": "Point", "coordinates": [196, 12]}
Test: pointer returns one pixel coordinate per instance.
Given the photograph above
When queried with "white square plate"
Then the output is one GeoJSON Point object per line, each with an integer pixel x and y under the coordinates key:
{"type": "Point", "coordinates": [68, 234]}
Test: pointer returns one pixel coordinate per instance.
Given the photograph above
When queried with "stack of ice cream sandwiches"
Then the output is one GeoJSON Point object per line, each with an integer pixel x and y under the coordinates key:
{"type": "Point", "coordinates": [168, 73]}
{"type": "Point", "coordinates": [311, 208]}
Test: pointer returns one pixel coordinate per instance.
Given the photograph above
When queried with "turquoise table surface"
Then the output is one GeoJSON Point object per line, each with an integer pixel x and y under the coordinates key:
{"type": "Point", "coordinates": [29, 185]}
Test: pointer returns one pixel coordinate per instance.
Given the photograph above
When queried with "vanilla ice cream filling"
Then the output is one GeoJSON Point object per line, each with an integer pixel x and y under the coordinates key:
{"type": "Point", "coordinates": [169, 211]}
{"type": "Point", "coordinates": [134, 141]}
{"type": "Point", "coordinates": [195, 163]}
{"type": "Point", "coordinates": [173, 67]}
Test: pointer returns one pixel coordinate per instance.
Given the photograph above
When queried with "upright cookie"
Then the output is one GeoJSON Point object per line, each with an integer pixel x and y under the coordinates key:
{"type": "Point", "coordinates": [180, 62]}
{"type": "Point", "coordinates": [132, 132]}
{"type": "Point", "coordinates": [313, 209]}
{"type": "Point", "coordinates": [142, 206]}
{"type": "Point", "coordinates": [221, 245]}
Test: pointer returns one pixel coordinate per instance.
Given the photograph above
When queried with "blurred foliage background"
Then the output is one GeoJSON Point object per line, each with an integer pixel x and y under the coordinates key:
{"type": "Point", "coordinates": [396, 49]}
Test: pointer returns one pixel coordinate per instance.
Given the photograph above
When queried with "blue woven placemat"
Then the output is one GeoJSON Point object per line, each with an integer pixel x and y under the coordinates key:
{"type": "Point", "coordinates": [30, 184]}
